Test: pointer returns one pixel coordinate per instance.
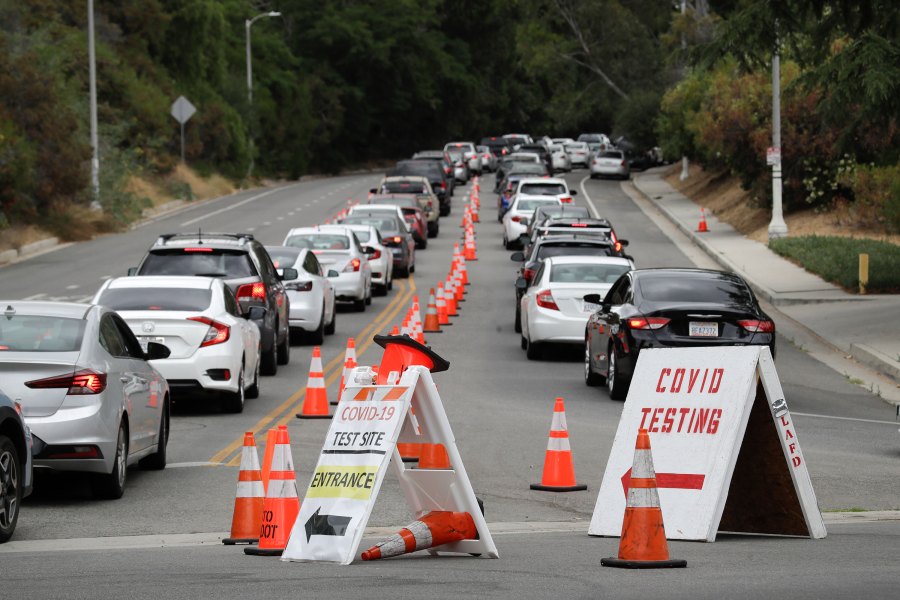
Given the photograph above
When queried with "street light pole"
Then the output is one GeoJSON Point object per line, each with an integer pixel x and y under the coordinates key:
{"type": "Point", "coordinates": [247, 24]}
{"type": "Point", "coordinates": [95, 147]}
{"type": "Point", "coordinates": [777, 227]}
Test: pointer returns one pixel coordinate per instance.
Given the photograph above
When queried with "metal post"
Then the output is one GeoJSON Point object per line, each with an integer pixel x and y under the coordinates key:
{"type": "Point", "coordinates": [182, 143]}
{"type": "Point", "coordinates": [95, 146]}
{"type": "Point", "coordinates": [777, 227]}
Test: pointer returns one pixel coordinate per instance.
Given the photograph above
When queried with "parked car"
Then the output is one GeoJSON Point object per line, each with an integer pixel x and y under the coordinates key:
{"type": "Point", "coordinates": [394, 234]}
{"type": "Point", "coordinates": [411, 211]}
{"type": "Point", "coordinates": [92, 400]}
{"type": "Point", "coordinates": [515, 221]}
{"type": "Point", "coordinates": [438, 172]}
{"type": "Point", "coordinates": [666, 308]}
{"type": "Point", "coordinates": [245, 266]}
{"type": "Point", "coordinates": [214, 347]}
{"type": "Point", "coordinates": [16, 475]}
{"type": "Point", "coordinates": [313, 311]}
{"type": "Point", "coordinates": [610, 163]}
{"type": "Point", "coordinates": [470, 155]}
{"type": "Point", "coordinates": [338, 249]}
{"type": "Point", "coordinates": [421, 189]}
{"type": "Point", "coordinates": [381, 261]}
{"type": "Point", "coordinates": [554, 309]}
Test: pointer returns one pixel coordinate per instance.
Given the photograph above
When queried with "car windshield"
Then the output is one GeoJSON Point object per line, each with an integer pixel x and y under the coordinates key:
{"type": "Point", "coordinates": [532, 203]}
{"type": "Point", "coordinates": [586, 273]}
{"type": "Point", "coordinates": [283, 257]}
{"type": "Point", "coordinates": [319, 241]}
{"type": "Point", "coordinates": [151, 298]}
{"type": "Point", "coordinates": [543, 189]}
{"type": "Point", "coordinates": [38, 333]}
{"type": "Point", "coordinates": [455, 154]}
{"type": "Point", "coordinates": [362, 235]}
{"type": "Point", "coordinates": [402, 187]}
{"type": "Point", "coordinates": [610, 154]}
{"type": "Point", "coordinates": [199, 261]}
{"type": "Point", "coordinates": [548, 250]}
{"type": "Point", "coordinates": [385, 226]}
{"type": "Point", "coordinates": [685, 288]}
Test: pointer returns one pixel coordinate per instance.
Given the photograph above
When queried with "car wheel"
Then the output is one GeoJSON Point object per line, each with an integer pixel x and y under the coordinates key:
{"type": "Point", "coordinates": [269, 364]}
{"type": "Point", "coordinates": [359, 305]}
{"type": "Point", "coordinates": [533, 351]}
{"type": "Point", "coordinates": [10, 487]}
{"type": "Point", "coordinates": [591, 378]}
{"type": "Point", "coordinates": [253, 390]}
{"type": "Point", "coordinates": [390, 284]}
{"type": "Point", "coordinates": [233, 402]}
{"type": "Point", "coordinates": [284, 349]}
{"type": "Point", "coordinates": [157, 460]}
{"type": "Point", "coordinates": [369, 296]}
{"type": "Point", "coordinates": [523, 343]}
{"type": "Point", "coordinates": [518, 323]}
{"type": "Point", "coordinates": [401, 273]}
{"type": "Point", "coordinates": [615, 383]}
{"type": "Point", "coordinates": [317, 336]}
{"type": "Point", "coordinates": [329, 329]}
{"type": "Point", "coordinates": [111, 486]}
{"type": "Point", "coordinates": [433, 229]}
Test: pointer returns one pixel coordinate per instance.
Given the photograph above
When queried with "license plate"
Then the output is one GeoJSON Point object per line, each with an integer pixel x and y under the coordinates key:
{"type": "Point", "coordinates": [144, 340]}
{"type": "Point", "coordinates": [590, 307]}
{"type": "Point", "coordinates": [703, 329]}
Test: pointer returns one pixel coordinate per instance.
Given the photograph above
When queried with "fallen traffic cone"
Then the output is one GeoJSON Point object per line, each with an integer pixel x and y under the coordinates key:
{"type": "Point", "coordinates": [702, 227]}
{"type": "Point", "coordinates": [434, 529]}
{"type": "Point", "coordinates": [643, 543]}
{"type": "Point", "coordinates": [559, 471]}
{"type": "Point", "coordinates": [433, 456]}
{"type": "Point", "coordinates": [409, 452]}
{"type": "Point", "coordinates": [432, 321]}
{"type": "Point", "coordinates": [282, 505]}
{"type": "Point", "coordinates": [248, 502]}
{"type": "Point", "coordinates": [441, 305]}
{"type": "Point", "coordinates": [315, 404]}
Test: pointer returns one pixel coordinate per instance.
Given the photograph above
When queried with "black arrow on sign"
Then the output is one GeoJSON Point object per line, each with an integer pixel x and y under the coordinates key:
{"type": "Point", "coordinates": [326, 524]}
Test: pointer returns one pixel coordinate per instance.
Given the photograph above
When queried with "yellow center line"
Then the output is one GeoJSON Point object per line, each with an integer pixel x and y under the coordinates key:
{"type": "Point", "coordinates": [281, 414]}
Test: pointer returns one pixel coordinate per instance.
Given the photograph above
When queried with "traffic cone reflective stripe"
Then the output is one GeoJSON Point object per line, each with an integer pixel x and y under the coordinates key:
{"type": "Point", "coordinates": [432, 320]}
{"type": "Point", "coordinates": [643, 542]}
{"type": "Point", "coordinates": [248, 502]}
{"type": "Point", "coordinates": [559, 470]}
{"type": "Point", "coordinates": [315, 403]}
{"type": "Point", "coordinates": [281, 505]}
{"type": "Point", "coordinates": [434, 529]}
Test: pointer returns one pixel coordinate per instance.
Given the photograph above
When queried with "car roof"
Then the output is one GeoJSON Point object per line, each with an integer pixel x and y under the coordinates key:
{"type": "Point", "coordinates": [163, 281]}
{"type": "Point", "coordinates": [544, 180]}
{"type": "Point", "coordinates": [212, 239]}
{"type": "Point", "coordinates": [50, 309]}
{"type": "Point", "coordinates": [569, 238]}
{"type": "Point", "coordinates": [416, 178]}
{"type": "Point", "coordinates": [585, 258]}
{"type": "Point", "coordinates": [314, 229]}
{"type": "Point", "coordinates": [687, 272]}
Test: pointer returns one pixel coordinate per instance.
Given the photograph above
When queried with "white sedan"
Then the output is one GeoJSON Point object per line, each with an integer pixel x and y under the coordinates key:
{"type": "Point", "coordinates": [381, 260]}
{"type": "Point", "coordinates": [545, 186]}
{"type": "Point", "coordinates": [515, 220]}
{"type": "Point", "coordinates": [213, 346]}
{"type": "Point", "coordinates": [553, 307]}
{"type": "Point", "coordinates": [312, 298]}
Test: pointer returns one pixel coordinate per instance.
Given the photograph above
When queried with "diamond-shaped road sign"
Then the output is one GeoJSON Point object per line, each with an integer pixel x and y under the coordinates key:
{"type": "Point", "coordinates": [182, 110]}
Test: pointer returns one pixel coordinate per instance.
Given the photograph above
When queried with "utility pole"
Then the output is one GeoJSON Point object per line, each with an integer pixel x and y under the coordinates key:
{"type": "Point", "coordinates": [777, 227]}
{"type": "Point", "coordinates": [95, 146]}
{"type": "Point", "coordinates": [685, 173]}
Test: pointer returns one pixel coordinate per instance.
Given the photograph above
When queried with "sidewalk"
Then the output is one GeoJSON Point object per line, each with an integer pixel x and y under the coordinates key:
{"type": "Point", "coordinates": [865, 327]}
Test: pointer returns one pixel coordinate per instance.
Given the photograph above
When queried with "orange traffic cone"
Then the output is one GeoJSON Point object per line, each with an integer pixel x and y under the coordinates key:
{"type": "Point", "coordinates": [349, 365]}
{"type": "Point", "coordinates": [441, 305]}
{"type": "Point", "coordinates": [643, 543]}
{"type": "Point", "coordinates": [559, 471]}
{"type": "Point", "coordinates": [349, 354]}
{"type": "Point", "coordinates": [702, 227]}
{"type": "Point", "coordinates": [469, 249]}
{"type": "Point", "coordinates": [315, 404]}
{"type": "Point", "coordinates": [463, 270]}
{"type": "Point", "coordinates": [271, 439]}
{"type": "Point", "coordinates": [432, 321]}
{"type": "Point", "coordinates": [248, 502]}
{"type": "Point", "coordinates": [433, 456]}
{"type": "Point", "coordinates": [450, 297]}
{"type": "Point", "coordinates": [434, 529]}
{"type": "Point", "coordinates": [459, 287]}
{"type": "Point", "coordinates": [282, 505]}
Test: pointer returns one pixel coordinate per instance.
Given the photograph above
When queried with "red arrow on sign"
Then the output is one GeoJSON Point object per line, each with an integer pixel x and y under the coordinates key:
{"type": "Point", "coordinates": [684, 481]}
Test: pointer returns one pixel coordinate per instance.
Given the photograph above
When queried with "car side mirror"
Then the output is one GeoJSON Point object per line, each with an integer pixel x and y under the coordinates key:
{"type": "Point", "coordinates": [517, 257]}
{"type": "Point", "coordinates": [255, 313]}
{"type": "Point", "coordinates": [332, 273]}
{"type": "Point", "coordinates": [156, 351]}
{"type": "Point", "coordinates": [373, 191]}
{"type": "Point", "coordinates": [132, 271]}
{"type": "Point", "coordinates": [623, 242]}
{"type": "Point", "coordinates": [521, 284]}
{"type": "Point", "coordinates": [287, 274]}
{"type": "Point", "coordinates": [592, 298]}
{"type": "Point", "coordinates": [573, 192]}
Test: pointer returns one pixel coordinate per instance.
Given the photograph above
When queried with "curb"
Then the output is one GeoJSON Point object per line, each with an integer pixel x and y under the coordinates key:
{"type": "Point", "coordinates": [876, 359]}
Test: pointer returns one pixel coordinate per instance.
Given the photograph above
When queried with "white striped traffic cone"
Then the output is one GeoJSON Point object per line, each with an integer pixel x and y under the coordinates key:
{"type": "Point", "coordinates": [248, 502]}
{"type": "Point", "coordinates": [559, 470]}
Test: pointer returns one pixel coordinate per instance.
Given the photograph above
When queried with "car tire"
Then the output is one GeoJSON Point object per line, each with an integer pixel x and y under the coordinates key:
{"type": "Point", "coordinates": [111, 486]}
{"type": "Point", "coordinates": [433, 229]}
{"type": "Point", "coordinates": [11, 482]}
{"type": "Point", "coordinates": [402, 273]}
{"type": "Point", "coordinates": [412, 269]}
{"type": "Point", "coordinates": [615, 382]}
{"type": "Point", "coordinates": [523, 343]}
{"type": "Point", "coordinates": [269, 362]}
{"type": "Point", "coordinates": [390, 284]}
{"type": "Point", "coordinates": [330, 328]}
{"type": "Point", "coordinates": [369, 296]}
{"type": "Point", "coordinates": [157, 460]}
{"type": "Point", "coordinates": [316, 337]}
{"type": "Point", "coordinates": [422, 244]}
{"type": "Point", "coordinates": [533, 351]}
{"type": "Point", "coordinates": [591, 378]}
{"type": "Point", "coordinates": [233, 402]}
{"type": "Point", "coordinates": [518, 324]}
{"type": "Point", "coordinates": [253, 390]}
{"type": "Point", "coordinates": [283, 353]}
{"type": "Point", "coordinates": [359, 305]}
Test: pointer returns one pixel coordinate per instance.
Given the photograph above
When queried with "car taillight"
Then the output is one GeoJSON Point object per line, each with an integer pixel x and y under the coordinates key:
{"type": "Point", "coordinates": [648, 322]}
{"type": "Point", "coordinates": [528, 274]}
{"type": "Point", "coordinates": [397, 239]}
{"type": "Point", "coordinates": [216, 334]}
{"type": "Point", "coordinates": [623, 163]}
{"type": "Point", "coordinates": [250, 292]}
{"type": "Point", "coordinates": [618, 246]}
{"type": "Point", "coordinates": [444, 184]}
{"type": "Point", "coordinates": [353, 265]}
{"type": "Point", "coordinates": [757, 326]}
{"type": "Point", "coordinates": [198, 249]}
{"type": "Point", "coordinates": [579, 224]}
{"type": "Point", "coordinates": [545, 300]}
{"type": "Point", "coordinates": [298, 286]}
{"type": "Point", "coordinates": [375, 255]}
{"type": "Point", "coordinates": [516, 219]}
{"type": "Point", "coordinates": [566, 199]}
{"type": "Point", "coordinates": [80, 383]}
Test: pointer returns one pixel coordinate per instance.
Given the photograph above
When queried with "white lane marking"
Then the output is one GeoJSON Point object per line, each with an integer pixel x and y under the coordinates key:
{"type": "Point", "coordinates": [280, 218]}
{"type": "Point", "coordinates": [250, 228]}
{"type": "Point", "coordinates": [291, 213]}
{"type": "Point", "coordinates": [233, 206]}
{"type": "Point", "coordinates": [35, 297]}
{"type": "Point", "coordinates": [588, 196]}
{"type": "Point", "coordinates": [267, 223]}
{"type": "Point", "coordinates": [74, 286]}
{"type": "Point", "coordinates": [800, 414]}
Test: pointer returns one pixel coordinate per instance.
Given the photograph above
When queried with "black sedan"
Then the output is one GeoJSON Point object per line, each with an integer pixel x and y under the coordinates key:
{"type": "Point", "coordinates": [665, 308]}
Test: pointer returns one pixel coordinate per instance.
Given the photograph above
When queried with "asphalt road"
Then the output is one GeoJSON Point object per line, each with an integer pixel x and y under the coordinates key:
{"type": "Point", "coordinates": [499, 405]}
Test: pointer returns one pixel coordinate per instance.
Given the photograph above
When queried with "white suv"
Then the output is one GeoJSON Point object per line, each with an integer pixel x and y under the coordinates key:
{"type": "Point", "coordinates": [473, 159]}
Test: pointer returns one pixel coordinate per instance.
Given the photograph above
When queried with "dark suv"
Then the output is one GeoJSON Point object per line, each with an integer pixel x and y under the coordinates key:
{"type": "Point", "coordinates": [15, 464]}
{"type": "Point", "coordinates": [247, 269]}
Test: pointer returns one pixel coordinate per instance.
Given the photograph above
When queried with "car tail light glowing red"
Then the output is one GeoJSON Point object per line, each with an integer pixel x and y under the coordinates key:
{"type": "Point", "coordinates": [252, 292]}
{"type": "Point", "coordinates": [516, 219]}
{"type": "Point", "coordinates": [528, 274]}
{"type": "Point", "coordinates": [579, 224]}
{"type": "Point", "coordinates": [648, 323]}
{"type": "Point", "coordinates": [353, 266]}
{"type": "Point", "coordinates": [198, 249]}
{"type": "Point", "coordinates": [376, 255]}
{"type": "Point", "coordinates": [545, 299]}
{"type": "Point", "coordinates": [216, 334]}
{"type": "Point", "coordinates": [80, 383]}
{"type": "Point", "coordinates": [566, 199]}
{"type": "Point", "coordinates": [298, 286]}
{"type": "Point", "coordinates": [618, 246]}
{"type": "Point", "coordinates": [757, 326]}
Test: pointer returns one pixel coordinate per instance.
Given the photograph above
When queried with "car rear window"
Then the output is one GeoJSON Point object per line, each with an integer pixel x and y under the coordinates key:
{"type": "Point", "coordinates": [319, 241]}
{"type": "Point", "coordinates": [209, 262]}
{"type": "Point", "coordinates": [38, 333]}
{"type": "Point", "coordinates": [147, 298]}
{"type": "Point", "coordinates": [543, 189]}
{"type": "Point", "coordinates": [548, 250]}
{"type": "Point", "coordinates": [283, 258]}
{"type": "Point", "coordinates": [586, 273]}
{"type": "Point", "coordinates": [531, 204]}
{"type": "Point", "coordinates": [402, 187]}
{"type": "Point", "coordinates": [385, 226]}
{"type": "Point", "coordinates": [610, 154]}
{"type": "Point", "coordinates": [684, 288]}
{"type": "Point", "coordinates": [362, 235]}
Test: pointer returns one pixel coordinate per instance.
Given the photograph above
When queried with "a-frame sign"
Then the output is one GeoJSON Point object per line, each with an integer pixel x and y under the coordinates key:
{"type": "Point", "coordinates": [725, 447]}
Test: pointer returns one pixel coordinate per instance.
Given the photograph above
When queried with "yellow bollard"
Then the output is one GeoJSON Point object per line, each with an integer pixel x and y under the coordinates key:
{"type": "Point", "coordinates": [863, 272]}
